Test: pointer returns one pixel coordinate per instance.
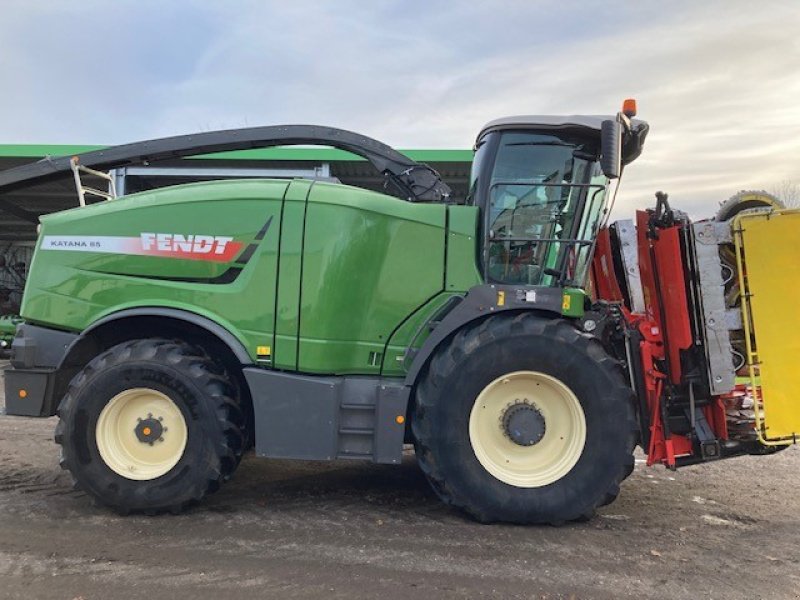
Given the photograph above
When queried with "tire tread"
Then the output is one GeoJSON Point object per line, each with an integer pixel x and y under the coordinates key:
{"type": "Point", "coordinates": [211, 383]}
{"type": "Point", "coordinates": [492, 329]}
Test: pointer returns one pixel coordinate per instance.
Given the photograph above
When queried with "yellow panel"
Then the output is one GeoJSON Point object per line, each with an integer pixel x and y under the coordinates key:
{"type": "Point", "coordinates": [771, 245]}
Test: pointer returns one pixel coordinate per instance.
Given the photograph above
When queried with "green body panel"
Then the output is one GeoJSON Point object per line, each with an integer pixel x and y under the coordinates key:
{"type": "Point", "coordinates": [70, 290]}
{"type": "Point", "coordinates": [412, 333]}
{"type": "Point", "coordinates": [462, 266]}
{"type": "Point", "coordinates": [309, 276]}
{"type": "Point", "coordinates": [287, 309]}
{"type": "Point", "coordinates": [369, 261]}
{"type": "Point", "coordinates": [461, 274]}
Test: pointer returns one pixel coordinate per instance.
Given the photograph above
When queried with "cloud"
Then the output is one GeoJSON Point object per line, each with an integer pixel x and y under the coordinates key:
{"type": "Point", "coordinates": [717, 81]}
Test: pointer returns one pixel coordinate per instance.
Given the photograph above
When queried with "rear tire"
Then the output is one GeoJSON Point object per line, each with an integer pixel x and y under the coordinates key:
{"type": "Point", "coordinates": [559, 431]}
{"type": "Point", "coordinates": [150, 425]}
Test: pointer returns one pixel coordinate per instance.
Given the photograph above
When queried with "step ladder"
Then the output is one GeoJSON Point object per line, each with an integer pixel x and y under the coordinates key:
{"type": "Point", "coordinates": [82, 190]}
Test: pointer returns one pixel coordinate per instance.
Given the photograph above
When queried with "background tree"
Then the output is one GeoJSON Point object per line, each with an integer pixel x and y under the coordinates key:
{"type": "Point", "coordinates": [788, 191]}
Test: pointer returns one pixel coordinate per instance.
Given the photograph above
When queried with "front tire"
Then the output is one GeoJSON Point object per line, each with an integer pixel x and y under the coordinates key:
{"type": "Point", "coordinates": [525, 420]}
{"type": "Point", "coordinates": [150, 425]}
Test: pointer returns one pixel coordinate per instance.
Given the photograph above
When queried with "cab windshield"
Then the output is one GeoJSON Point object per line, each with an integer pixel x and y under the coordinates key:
{"type": "Point", "coordinates": [546, 196]}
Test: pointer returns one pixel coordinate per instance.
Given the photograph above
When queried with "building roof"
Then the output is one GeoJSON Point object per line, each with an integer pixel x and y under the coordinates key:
{"type": "Point", "coordinates": [452, 164]}
{"type": "Point", "coordinates": [35, 151]}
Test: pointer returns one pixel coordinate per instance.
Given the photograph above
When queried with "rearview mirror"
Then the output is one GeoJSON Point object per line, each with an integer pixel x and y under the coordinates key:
{"type": "Point", "coordinates": [611, 148]}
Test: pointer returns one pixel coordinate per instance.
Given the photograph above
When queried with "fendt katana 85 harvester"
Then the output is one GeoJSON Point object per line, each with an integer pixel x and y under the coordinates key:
{"type": "Point", "coordinates": [524, 347]}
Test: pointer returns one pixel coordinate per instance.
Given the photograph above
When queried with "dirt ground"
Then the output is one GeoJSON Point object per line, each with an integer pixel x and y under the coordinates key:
{"type": "Point", "coordinates": [285, 529]}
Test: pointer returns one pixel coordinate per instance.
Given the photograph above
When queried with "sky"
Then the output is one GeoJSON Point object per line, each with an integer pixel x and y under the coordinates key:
{"type": "Point", "coordinates": [719, 82]}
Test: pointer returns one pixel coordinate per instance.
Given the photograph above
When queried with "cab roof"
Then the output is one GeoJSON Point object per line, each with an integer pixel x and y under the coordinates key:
{"type": "Point", "coordinates": [632, 146]}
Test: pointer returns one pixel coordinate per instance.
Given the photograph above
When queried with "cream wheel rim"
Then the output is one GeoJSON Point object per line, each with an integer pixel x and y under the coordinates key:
{"type": "Point", "coordinates": [554, 442]}
{"type": "Point", "coordinates": [141, 434]}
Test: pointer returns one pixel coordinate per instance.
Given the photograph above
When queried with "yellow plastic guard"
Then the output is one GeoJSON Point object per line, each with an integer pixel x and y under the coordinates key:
{"type": "Point", "coordinates": [768, 251]}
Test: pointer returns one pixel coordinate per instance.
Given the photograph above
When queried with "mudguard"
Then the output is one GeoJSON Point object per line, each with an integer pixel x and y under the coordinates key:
{"type": "Point", "coordinates": [480, 302]}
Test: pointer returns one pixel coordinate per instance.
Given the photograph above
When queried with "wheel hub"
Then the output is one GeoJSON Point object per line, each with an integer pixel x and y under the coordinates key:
{"type": "Point", "coordinates": [150, 430]}
{"type": "Point", "coordinates": [141, 434]}
{"type": "Point", "coordinates": [527, 429]}
{"type": "Point", "coordinates": [524, 424]}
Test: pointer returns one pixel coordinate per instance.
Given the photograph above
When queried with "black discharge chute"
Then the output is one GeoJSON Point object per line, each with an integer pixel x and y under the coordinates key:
{"type": "Point", "coordinates": [405, 178]}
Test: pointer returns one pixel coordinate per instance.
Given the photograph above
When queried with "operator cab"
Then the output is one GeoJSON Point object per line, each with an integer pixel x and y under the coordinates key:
{"type": "Point", "coordinates": [541, 183]}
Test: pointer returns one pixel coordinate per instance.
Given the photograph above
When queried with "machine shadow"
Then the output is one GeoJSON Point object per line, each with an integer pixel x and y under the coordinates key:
{"type": "Point", "coordinates": [288, 484]}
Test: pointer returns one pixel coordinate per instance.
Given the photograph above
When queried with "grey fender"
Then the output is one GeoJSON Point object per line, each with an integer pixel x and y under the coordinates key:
{"type": "Point", "coordinates": [200, 321]}
{"type": "Point", "coordinates": [44, 360]}
{"type": "Point", "coordinates": [481, 302]}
